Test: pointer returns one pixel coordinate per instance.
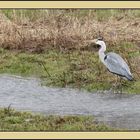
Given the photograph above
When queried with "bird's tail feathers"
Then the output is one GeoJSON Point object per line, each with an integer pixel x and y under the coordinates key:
{"type": "Point", "coordinates": [130, 77]}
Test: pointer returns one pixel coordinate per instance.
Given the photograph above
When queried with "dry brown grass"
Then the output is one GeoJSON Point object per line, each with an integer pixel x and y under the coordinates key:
{"type": "Point", "coordinates": [65, 32]}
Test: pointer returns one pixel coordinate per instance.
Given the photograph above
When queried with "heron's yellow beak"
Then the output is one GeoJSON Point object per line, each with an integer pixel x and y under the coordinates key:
{"type": "Point", "coordinates": [94, 41]}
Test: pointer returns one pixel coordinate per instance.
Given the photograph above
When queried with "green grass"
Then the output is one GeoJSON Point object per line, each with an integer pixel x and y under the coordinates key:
{"type": "Point", "coordinates": [12, 120]}
{"type": "Point", "coordinates": [76, 69]}
{"type": "Point", "coordinates": [100, 14]}
{"type": "Point", "coordinates": [31, 15]}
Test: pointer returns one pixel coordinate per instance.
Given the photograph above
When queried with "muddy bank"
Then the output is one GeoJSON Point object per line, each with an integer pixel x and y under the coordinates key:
{"type": "Point", "coordinates": [27, 94]}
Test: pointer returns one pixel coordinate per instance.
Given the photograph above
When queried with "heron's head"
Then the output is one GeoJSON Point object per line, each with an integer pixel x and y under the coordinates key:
{"type": "Point", "coordinates": [99, 43]}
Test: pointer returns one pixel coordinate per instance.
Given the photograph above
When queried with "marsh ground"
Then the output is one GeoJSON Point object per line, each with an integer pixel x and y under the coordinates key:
{"type": "Point", "coordinates": [53, 45]}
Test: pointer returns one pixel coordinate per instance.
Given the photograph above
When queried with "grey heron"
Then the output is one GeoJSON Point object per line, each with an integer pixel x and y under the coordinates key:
{"type": "Point", "coordinates": [114, 62]}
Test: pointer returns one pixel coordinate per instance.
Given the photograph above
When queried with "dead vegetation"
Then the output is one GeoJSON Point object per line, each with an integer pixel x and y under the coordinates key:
{"type": "Point", "coordinates": [64, 31]}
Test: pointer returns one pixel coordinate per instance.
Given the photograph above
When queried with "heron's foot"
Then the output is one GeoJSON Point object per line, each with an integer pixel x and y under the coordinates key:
{"type": "Point", "coordinates": [117, 89]}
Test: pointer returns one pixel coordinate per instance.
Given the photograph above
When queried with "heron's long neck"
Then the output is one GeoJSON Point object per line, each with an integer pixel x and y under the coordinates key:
{"type": "Point", "coordinates": [102, 52]}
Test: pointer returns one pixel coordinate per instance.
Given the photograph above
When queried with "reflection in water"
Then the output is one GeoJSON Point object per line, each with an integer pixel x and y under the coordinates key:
{"type": "Point", "coordinates": [122, 111]}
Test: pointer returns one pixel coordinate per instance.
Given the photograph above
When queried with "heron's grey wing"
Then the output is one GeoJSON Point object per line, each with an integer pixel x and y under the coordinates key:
{"type": "Point", "coordinates": [116, 64]}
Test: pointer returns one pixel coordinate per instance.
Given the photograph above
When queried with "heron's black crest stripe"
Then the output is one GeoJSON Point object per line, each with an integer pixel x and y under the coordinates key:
{"type": "Point", "coordinates": [105, 57]}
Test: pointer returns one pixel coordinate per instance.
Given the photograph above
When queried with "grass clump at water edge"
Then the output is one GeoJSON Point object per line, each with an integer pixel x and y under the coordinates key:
{"type": "Point", "coordinates": [12, 120]}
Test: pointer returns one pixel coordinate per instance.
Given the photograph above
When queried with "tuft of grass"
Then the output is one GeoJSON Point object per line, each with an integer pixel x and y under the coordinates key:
{"type": "Point", "coordinates": [12, 120]}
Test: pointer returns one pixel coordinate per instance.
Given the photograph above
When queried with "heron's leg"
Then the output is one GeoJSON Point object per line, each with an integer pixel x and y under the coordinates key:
{"type": "Point", "coordinates": [115, 85]}
{"type": "Point", "coordinates": [120, 87]}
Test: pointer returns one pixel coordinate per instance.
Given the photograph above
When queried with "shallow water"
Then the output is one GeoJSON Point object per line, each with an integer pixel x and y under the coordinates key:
{"type": "Point", "coordinates": [27, 94]}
